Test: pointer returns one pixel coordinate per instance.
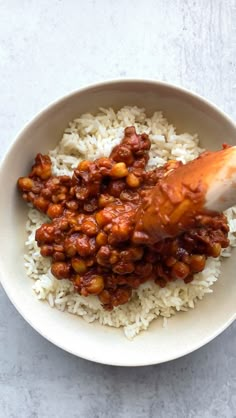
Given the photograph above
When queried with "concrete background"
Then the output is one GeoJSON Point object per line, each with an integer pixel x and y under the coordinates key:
{"type": "Point", "coordinates": [47, 49]}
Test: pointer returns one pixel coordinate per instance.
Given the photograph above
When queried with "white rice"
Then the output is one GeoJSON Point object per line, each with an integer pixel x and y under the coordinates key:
{"type": "Point", "coordinates": [90, 137]}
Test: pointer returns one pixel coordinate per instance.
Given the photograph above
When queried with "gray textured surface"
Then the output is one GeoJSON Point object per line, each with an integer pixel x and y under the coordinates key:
{"type": "Point", "coordinates": [48, 48]}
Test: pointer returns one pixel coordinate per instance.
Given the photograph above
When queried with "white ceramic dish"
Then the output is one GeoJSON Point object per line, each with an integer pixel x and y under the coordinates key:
{"type": "Point", "coordinates": [186, 331]}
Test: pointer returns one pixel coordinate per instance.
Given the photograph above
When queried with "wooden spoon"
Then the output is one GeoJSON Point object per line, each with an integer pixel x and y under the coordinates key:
{"type": "Point", "coordinates": [206, 185]}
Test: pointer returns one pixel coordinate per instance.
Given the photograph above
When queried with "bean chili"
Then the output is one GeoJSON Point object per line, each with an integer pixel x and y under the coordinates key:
{"type": "Point", "coordinates": [92, 219]}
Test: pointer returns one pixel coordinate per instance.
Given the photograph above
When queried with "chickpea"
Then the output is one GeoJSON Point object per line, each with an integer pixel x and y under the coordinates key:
{"type": "Point", "coordinates": [63, 189]}
{"type": "Point", "coordinates": [139, 172]}
{"type": "Point", "coordinates": [72, 205]}
{"type": "Point", "coordinates": [121, 296]}
{"type": "Point", "coordinates": [41, 203]}
{"type": "Point", "coordinates": [63, 224]}
{"type": "Point", "coordinates": [89, 261]}
{"type": "Point", "coordinates": [132, 254]}
{"type": "Point", "coordinates": [54, 210]}
{"type": "Point", "coordinates": [105, 297]}
{"type": "Point", "coordinates": [25, 183]}
{"type": "Point", "coordinates": [107, 228]}
{"type": "Point", "coordinates": [103, 217]}
{"type": "Point", "coordinates": [132, 180]}
{"type": "Point", "coordinates": [143, 269]}
{"type": "Point", "coordinates": [84, 246]}
{"type": "Point", "coordinates": [104, 162]}
{"type": "Point", "coordinates": [129, 196]}
{"type": "Point", "coordinates": [103, 255]}
{"type": "Point", "coordinates": [72, 222]}
{"type": "Point", "coordinates": [45, 234]}
{"type": "Point", "coordinates": [122, 153]}
{"type": "Point", "coordinates": [113, 258]}
{"type": "Point", "coordinates": [84, 165]}
{"type": "Point", "coordinates": [123, 267]}
{"type": "Point", "coordinates": [136, 253]}
{"type": "Point", "coordinates": [65, 180]}
{"type": "Point", "coordinates": [119, 170]}
{"type": "Point", "coordinates": [119, 232]}
{"type": "Point", "coordinates": [60, 270]}
{"type": "Point", "coordinates": [133, 282]}
{"type": "Point", "coordinates": [91, 205]}
{"type": "Point", "coordinates": [78, 265]}
{"type": "Point", "coordinates": [58, 256]}
{"type": "Point", "coordinates": [186, 259]}
{"type": "Point", "coordinates": [55, 199]}
{"type": "Point", "coordinates": [161, 282]}
{"type": "Point", "coordinates": [161, 273]}
{"type": "Point", "coordinates": [188, 279]}
{"type": "Point", "coordinates": [197, 262]}
{"type": "Point", "coordinates": [96, 285]}
{"type": "Point", "coordinates": [89, 228]}
{"type": "Point", "coordinates": [71, 250]}
{"type": "Point", "coordinates": [104, 200]}
{"type": "Point", "coordinates": [180, 270]}
{"type": "Point", "coordinates": [61, 196]}
{"type": "Point", "coordinates": [46, 250]}
{"type": "Point", "coordinates": [70, 246]}
{"type": "Point", "coordinates": [47, 193]}
{"type": "Point", "coordinates": [116, 187]}
{"type": "Point", "coordinates": [42, 167]}
{"type": "Point", "coordinates": [45, 173]}
{"type": "Point", "coordinates": [58, 247]}
{"type": "Point", "coordinates": [140, 163]}
{"type": "Point", "coordinates": [101, 239]}
{"type": "Point", "coordinates": [80, 218]}
{"type": "Point", "coordinates": [170, 261]}
{"type": "Point", "coordinates": [92, 244]}
{"type": "Point", "coordinates": [77, 280]}
{"type": "Point", "coordinates": [130, 135]}
{"type": "Point", "coordinates": [81, 193]}
{"type": "Point", "coordinates": [36, 189]}
{"type": "Point", "coordinates": [55, 181]}
{"type": "Point", "coordinates": [215, 250]}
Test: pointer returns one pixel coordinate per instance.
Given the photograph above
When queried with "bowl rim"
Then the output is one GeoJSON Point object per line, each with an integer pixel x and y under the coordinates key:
{"type": "Point", "coordinates": [60, 99]}
{"type": "Point", "coordinates": [17, 138]}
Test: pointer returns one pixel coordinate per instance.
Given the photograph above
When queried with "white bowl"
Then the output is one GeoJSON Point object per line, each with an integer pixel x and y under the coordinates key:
{"type": "Point", "coordinates": [186, 331]}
